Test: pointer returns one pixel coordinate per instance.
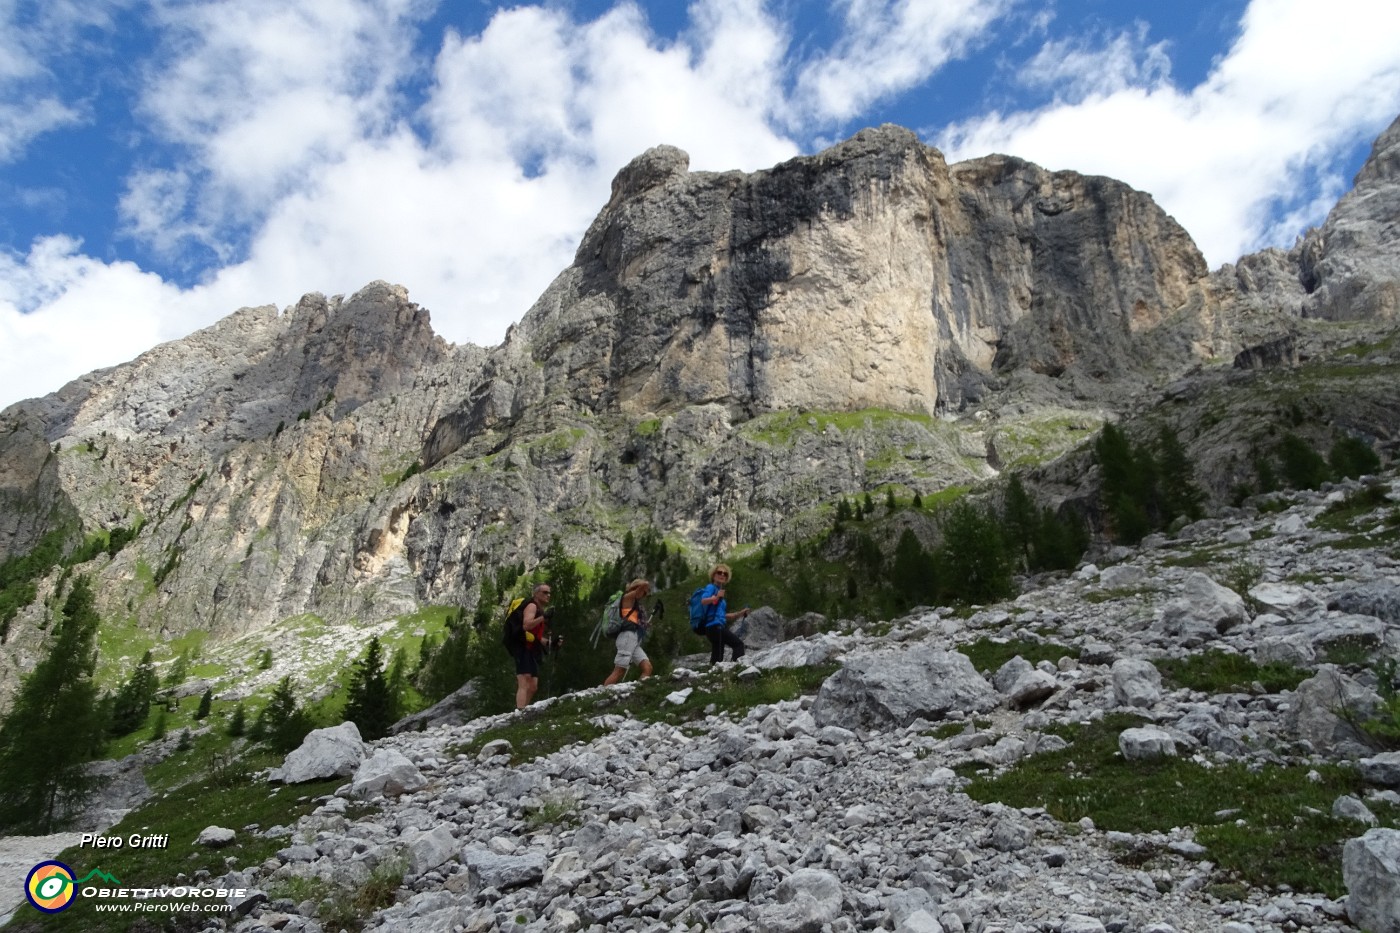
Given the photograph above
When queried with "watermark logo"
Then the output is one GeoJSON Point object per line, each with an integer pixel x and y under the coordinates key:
{"type": "Point", "coordinates": [50, 887]}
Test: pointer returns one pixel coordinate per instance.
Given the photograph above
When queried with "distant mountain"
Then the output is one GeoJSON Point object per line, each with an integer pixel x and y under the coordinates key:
{"type": "Point", "coordinates": [727, 355]}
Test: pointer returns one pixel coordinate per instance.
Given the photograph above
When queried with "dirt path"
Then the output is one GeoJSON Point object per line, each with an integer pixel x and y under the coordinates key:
{"type": "Point", "coordinates": [18, 854]}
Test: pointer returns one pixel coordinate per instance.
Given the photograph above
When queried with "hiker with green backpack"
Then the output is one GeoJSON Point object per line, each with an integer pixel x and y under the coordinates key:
{"type": "Point", "coordinates": [629, 623]}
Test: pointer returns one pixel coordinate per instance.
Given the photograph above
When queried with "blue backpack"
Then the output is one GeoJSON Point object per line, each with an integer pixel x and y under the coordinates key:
{"type": "Point", "coordinates": [699, 612]}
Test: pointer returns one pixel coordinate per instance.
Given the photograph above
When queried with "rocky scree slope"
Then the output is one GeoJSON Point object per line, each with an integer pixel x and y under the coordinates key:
{"type": "Point", "coordinates": [849, 811]}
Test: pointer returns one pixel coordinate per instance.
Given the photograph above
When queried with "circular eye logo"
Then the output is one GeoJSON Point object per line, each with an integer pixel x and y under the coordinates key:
{"type": "Point", "coordinates": [49, 887]}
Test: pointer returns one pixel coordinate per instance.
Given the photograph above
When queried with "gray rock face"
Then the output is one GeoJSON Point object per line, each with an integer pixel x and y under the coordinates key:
{"type": "Point", "coordinates": [1371, 870]}
{"type": "Point", "coordinates": [325, 753]}
{"type": "Point", "coordinates": [895, 687]}
{"type": "Point", "coordinates": [1347, 266]}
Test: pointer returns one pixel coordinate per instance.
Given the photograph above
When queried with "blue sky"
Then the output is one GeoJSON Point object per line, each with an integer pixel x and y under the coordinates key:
{"type": "Point", "coordinates": [163, 163]}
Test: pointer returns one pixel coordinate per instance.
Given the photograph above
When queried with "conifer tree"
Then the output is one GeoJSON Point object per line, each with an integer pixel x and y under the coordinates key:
{"type": "Point", "coordinates": [1179, 493]}
{"type": "Point", "coordinates": [238, 722]}
{"type": "Point", "coordinates": [206, 703]}
{"type": "Point", "coordinates": [282, 724]}
{"type": "Point", "coordinates": [1351, 457]}
{"type": "Point", "coordinates": [132, 703]}
{"type": "Point", "coordinates": [1303, 467]}
{"type": "Point", "coordinates": [1020, 521]}
{"type": "Point", "coordinates": [971, 561]}
{"type": "Point", "coordinates": [42, 776]}
{"type": "Point", "coordinates": [369, 704]}
{"type": "Point", "coordinates": [912, 572]}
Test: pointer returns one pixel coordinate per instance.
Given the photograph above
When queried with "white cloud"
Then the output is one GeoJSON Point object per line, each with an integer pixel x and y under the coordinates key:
{"type": "Point", "coordinates": [1294, 91]}
{"type": "Point", "coordinates": [1074, 69]}
{"type": "Point", "coordinates": [475, 205]}
{"type": "Point", "coordinates": [92, 315]}
{"type": "Point", "coordinates": [890, 46]}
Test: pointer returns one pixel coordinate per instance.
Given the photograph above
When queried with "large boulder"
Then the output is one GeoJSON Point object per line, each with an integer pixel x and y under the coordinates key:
{"type": "Point", "coordinates": [1136, 682]}
{"type": "Point", "coordinates": [808, 899]}
{"type": "Point", "coordinates": [452, 710]}
{"type": "Point", "coordinates": [1324, 710]}
{"type": "Point", "coordinates": [1371, 871]}
{"type": "Point", "coordinates": [487, 869]}
{"type": "Point", "coordinates": [326, 753]}
{"type": "Point", "coordinates": [884, 688]}
{"type": "Point", "coordinates": [1377, 598]}
{"type": "Point", "coordinates": [389, 773]}
{"type": "Point", "coordinates": [1203, 611]}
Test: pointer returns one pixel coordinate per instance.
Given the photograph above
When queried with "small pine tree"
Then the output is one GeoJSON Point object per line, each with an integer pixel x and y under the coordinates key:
{"type": "Point", "coordinates": [1303, 467]}
{"type": "Point", "coordinates": [206, 703]}
{"type": "Point", "coordinates": [912, 573]}
{"type": "Point", "coordinates": [369, 704]}
{"type": "Point", "coordinates": [891, 503]}
{"type": "Point", "coordinates": [179, 668]}
{"type": "Point", "coordinates": [1019, 519]}
{"type": "Point", "coordinates": [238, 722]}
{"type": "Point", "coordinates": [132, 702]}
{"type": "Point", "coordinates": [158, 731]}
{"type": "Point", "coordinates": [1351, 457]}
{"type": "Point", "coordinates": [282, 724]}
{"type": "Point", "coordinates": [867, 506]}
{"type": "Point", "coordinates": [1180, 496]}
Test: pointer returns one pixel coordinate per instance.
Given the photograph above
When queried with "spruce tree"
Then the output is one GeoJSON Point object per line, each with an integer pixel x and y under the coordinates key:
{"type": "Point", "coordinates": [282, 724]}
{"type": "Point", "coordinates": [1180, 495]}
{"type": "Point", "coordinates": [1351, 457]}
{"type": "Point", "coordinates": [238, 722]}
{"type": "Point", "coordinates": [971, 561]}
{"type": "Point", "coordinates": [912, 572]}
{"type": "Point", "coordinates": [1303, 467]}
{"type": "Point", "coordinates": [55, 726]}
{"type": "Point", "coordinates": [132, 703]}
{"type": "Point", "coordinates": [369, 704]}
{"type": "Point", "coordinates": [206, 703]}
{"type": "Point", "coordinates": [1020, 520]}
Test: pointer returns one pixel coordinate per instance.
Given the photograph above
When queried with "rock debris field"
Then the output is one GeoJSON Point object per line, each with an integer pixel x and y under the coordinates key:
{"type": "Point", "coordinates": [843, 811]}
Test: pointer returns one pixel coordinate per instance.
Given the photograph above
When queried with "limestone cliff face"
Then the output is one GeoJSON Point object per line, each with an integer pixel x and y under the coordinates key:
{"type": "Point", "coordinates": [727, 354]}
{"type": "Point", "coordinates": [870, 275]}
{"type": "Point", "coordinates": [1350, 266]}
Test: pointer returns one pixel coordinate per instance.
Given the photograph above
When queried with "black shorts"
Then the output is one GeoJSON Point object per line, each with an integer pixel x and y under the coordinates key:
{"type": "Point", "coordinates": [527, 662]}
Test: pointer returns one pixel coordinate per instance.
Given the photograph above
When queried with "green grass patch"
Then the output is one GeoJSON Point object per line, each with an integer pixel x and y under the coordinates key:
{"type": "Point", "coordinates": [1284, 835]}
{"type": "Point", "coordinates": [1217, 671]}
{"type": "Point", "coordinates": [989, 654]}
{"type": "Point", "coordinates": [1363, 503]}
{"type": "Point", "coordinates": [1202, 557]}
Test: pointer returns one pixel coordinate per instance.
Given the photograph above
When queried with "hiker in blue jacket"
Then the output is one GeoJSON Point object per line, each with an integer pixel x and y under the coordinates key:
{"type": "Point", "coordinates": [717, 618]}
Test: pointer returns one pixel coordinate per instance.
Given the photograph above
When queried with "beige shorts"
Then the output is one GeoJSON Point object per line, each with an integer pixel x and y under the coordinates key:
{"type": "Point", "coordinates": [629, 650]}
